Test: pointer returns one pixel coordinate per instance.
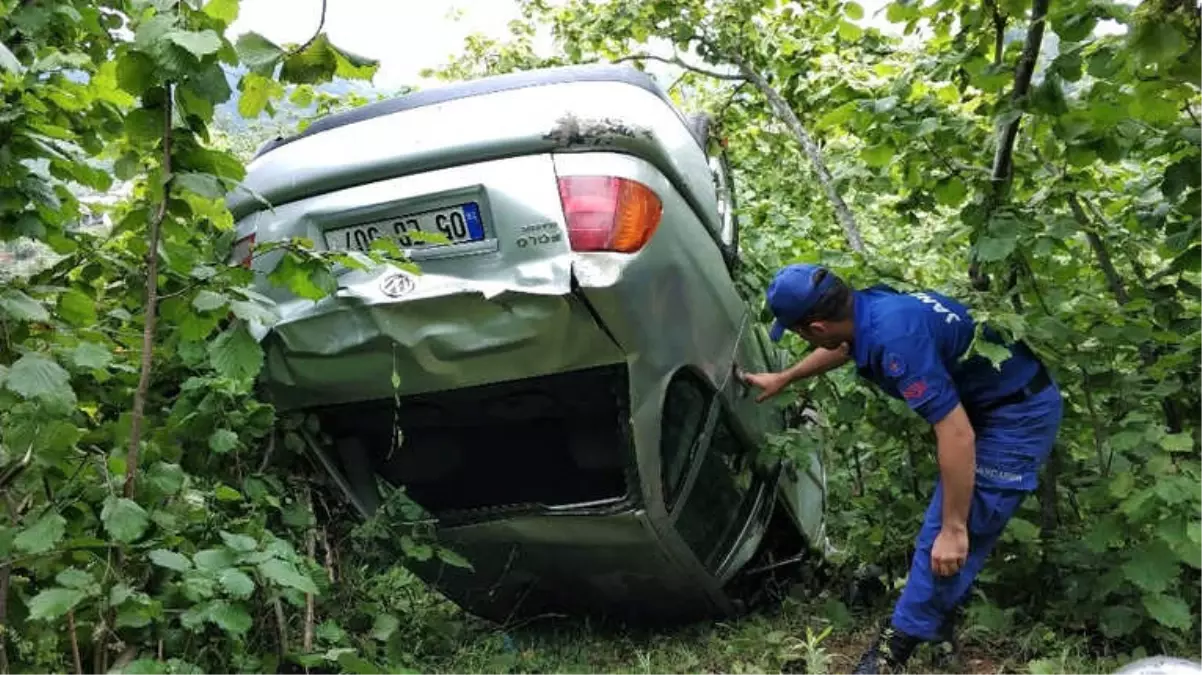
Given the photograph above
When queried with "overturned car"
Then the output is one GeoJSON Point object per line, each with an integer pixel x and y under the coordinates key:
{"type": "Point", "coordinates": [567, 356]}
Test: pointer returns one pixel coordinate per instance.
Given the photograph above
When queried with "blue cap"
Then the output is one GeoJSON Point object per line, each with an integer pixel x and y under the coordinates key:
{"type": "Point", "coordinates": [793, 293]}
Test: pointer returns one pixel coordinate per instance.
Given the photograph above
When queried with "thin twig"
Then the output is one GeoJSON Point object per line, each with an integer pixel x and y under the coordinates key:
{"type": "Point", "coordinates": [311, 549]}
{"type": "Point", "coordinates": [943, 160]}
{"type": "Point", "coordinates": [1189, 110]}
{"type": "Point", "coordinates": [270, 449]}
{"type": "Point", "coordinates": [310, 618]}
{"type": "Point", "coordinates": [4, 578]}
{"type": "Point", "coordinates": [281, 624]}
{"type": "Point", "coordinates": [676, 60]}
{"type": "Point", "coordinates": [320, 24]}
{"type": "Point", "coordinates": [74, 642]}
{"type": "Point", "coordinates": [1103, 465]}
{"type": "Point", "coordinates": [152, 290]}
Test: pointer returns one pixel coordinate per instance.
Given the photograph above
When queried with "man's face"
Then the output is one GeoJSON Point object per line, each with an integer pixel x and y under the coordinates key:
{"type": "Point", "coordinates": [821, 334]}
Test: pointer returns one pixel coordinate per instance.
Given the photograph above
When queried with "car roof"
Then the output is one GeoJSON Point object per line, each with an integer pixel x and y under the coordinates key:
{"type": "Point", "coordinates": [486, 85]}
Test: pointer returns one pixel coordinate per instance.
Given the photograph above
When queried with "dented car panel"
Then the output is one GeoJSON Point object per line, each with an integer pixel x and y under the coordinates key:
{"type": "Point", "coordinates": [570, 416]}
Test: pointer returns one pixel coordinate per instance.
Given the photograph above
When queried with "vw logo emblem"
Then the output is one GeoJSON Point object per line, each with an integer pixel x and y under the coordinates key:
{"type": "Point", "coordinates": [396, 285]}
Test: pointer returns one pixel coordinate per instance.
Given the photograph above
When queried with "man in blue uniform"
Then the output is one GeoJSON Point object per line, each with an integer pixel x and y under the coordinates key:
{"type": "Point", "coordinates": [994, 426]}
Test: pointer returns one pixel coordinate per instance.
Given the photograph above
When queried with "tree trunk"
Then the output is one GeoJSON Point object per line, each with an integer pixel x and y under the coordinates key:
{"type": "Point", "coordinates": [1002, 173]}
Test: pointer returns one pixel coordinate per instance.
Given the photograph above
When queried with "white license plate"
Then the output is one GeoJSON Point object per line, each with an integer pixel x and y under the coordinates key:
{"type": "Point", "coordinates": [459, 224]}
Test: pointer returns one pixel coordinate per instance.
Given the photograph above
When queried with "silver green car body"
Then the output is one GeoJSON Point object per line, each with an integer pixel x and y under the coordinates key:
{"type": "Point", "coordinates": [572, 419]}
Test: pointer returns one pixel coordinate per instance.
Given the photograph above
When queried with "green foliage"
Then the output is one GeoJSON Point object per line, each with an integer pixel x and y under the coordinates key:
{"type": "Point", "coordinates": [147, 527]}
{"type": "Point", "coordinates": [1092, 250]}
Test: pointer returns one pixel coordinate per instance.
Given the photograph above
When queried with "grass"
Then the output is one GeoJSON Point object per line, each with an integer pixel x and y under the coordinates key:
{"type": "Point", "coordinates": [800, 636]}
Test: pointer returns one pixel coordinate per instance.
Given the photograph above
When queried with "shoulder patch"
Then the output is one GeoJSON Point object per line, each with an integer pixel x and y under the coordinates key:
{"type": "Point", "coordinates": [893, 364]}
{"type": "Point", "coordinates": [915, 390]}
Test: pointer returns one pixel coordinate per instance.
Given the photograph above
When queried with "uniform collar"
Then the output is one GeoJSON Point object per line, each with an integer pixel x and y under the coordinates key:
{"type": "Point", "coordinates": [861, 327]}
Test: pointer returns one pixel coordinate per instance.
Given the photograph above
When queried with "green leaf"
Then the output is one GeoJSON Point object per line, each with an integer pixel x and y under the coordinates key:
{"type": "Point", "coordinates": [77, 308]}
{"type": "Point", "coordinates": [849, 31]}
{"type": "Point", "coordinates": [311, 281]}
{"type": "Point", "coordinates": [251, 311]}
{"type": "Point", "coordinates": [990, 248]}
{"type": "Point", "coordinates": [170, 559]}
{"type": "Point", "coordinates": [91, 356]}
{"type": "Point", "coordinates": [207, 301]}
{"type": "Point", "coordinates": [222, 441]}
{"type": "Point", "coordinates": [284, 574]}
{"type": "Point", "coordinates": [258, 53]}
{"type": "Point", "coordinates": [950, 191]}
{"type": "Point", "coordinates": [453, 558]}
{"type": "Point", "coordinates": [384, 627]}
{"type": "Point", "coordinates": [1168, 610]}
{"type": "Point", "coordinates": [42, 536]}
{"type": "Point", "coordinates": [214, 559]}
{"type": "Point", "coordinates": [225, 493]}
{"type": "Point", "coordinates": [415, 550]}
{"type": "Point", "coordinates": [144, 667]}
{"type": "Point", "coordinates": [34, 376]}
{"type": "Point", "coordinates": [225, 11]}
{"type": "Point", "coordinates": [235, 354]}
{"type": "Point", "coordinates": [203, 184]}
{"type": "Point", "coordinates": [1178, 443]}
{"type": "Point", "coordinates": [854, 11]}
{"type": "Point", "coordinates": [198, 43]}
{"type": "Point", "coordinates": [1022, 530]}
{"type": "Point", "coordinates": [1152, 568]}
{"type": "Point", "coordinates": [1119, 621]}
{"type": "Point", "coordinates": [256, 91]}
{"type": "Point", "coordinates": [1157, 41]}
{"type": "Point", "coordinates": [239, 542]}
{"type": "Point", "coordinates": [231, 618]}
{"type": "Point", "coordinates": [316, 64]}
{"type": "Point", "coordinates": [877, 155]}
{"type": "Point", "coordinates": [236, 582]}
{"type": "Point", "coordinates": [123, 519]}
{"type": "Point", "coordinates": [20, 307]}
{"type": "Point", "coordinates": [53, 603]}
{"type": "Point", "coordinates": [1180, 176]}
{"type": "Point", "coordinates": [73, 577]}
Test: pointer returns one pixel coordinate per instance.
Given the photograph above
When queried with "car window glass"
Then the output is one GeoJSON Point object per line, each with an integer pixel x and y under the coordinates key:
{"type": "Point", "coordinates": [683, 418]}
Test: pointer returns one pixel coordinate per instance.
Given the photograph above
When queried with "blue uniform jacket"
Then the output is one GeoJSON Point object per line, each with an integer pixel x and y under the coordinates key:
{"type": "Point", "coordinates": [912, 344]}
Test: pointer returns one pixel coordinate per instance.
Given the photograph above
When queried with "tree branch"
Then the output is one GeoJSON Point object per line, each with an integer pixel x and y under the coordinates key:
{"type": "Point", "coordinates": [999, 31]}
{"type": "Point", "coordinates": [677, 61]}
{"type": "Point", "coordinates": [1003, 158]}
{"type": "Point", "coordinates": [4, 581]}
{"type": "Point", "coordinates": [152, 290]}
{"type": "Point", "coordinates": [943, 160]}
{"type": "Point", "coordinates": [74, 642]}
{"type": "Point", "coordinates": [1002, 172]}
{"type": "Point", "coordinates": [320, 24]}
{"type": "Point", "coordinates": [786, 115]}
{"type": "Point", "coordinates": [1099, 248]}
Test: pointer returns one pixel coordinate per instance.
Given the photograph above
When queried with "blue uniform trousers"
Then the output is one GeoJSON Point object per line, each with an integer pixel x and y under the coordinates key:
{"type": "Point", "coordinates": [1013, 443]}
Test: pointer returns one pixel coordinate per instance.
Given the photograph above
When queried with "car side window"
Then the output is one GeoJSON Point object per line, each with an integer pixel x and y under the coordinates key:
{"type": "Point", "coordinates": [728, 235]}
{"type": "Point", "coordinates": [718, 493]}
{"type": "Point", "coordinates": [685, 407]}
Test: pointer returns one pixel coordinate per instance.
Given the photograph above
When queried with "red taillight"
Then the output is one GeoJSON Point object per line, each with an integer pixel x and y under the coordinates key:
{"type": "Point", "coordinates": [243, 251]}
{"type": "Point", "coordinates": [605, 213]}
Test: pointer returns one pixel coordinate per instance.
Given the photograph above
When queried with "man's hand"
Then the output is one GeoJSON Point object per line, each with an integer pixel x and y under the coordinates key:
{"type": "Point", "coordinates": [771, 383]}
{"type": "Point", "coordinates": [950, 551]}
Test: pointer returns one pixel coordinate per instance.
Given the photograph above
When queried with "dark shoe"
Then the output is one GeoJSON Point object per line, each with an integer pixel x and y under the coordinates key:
{"type": "Point", "coordinates": [888, 653]}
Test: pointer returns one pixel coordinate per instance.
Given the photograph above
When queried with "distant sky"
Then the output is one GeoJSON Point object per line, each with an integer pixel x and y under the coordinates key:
{"type": "Point", "coordinates": [405, 35]}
